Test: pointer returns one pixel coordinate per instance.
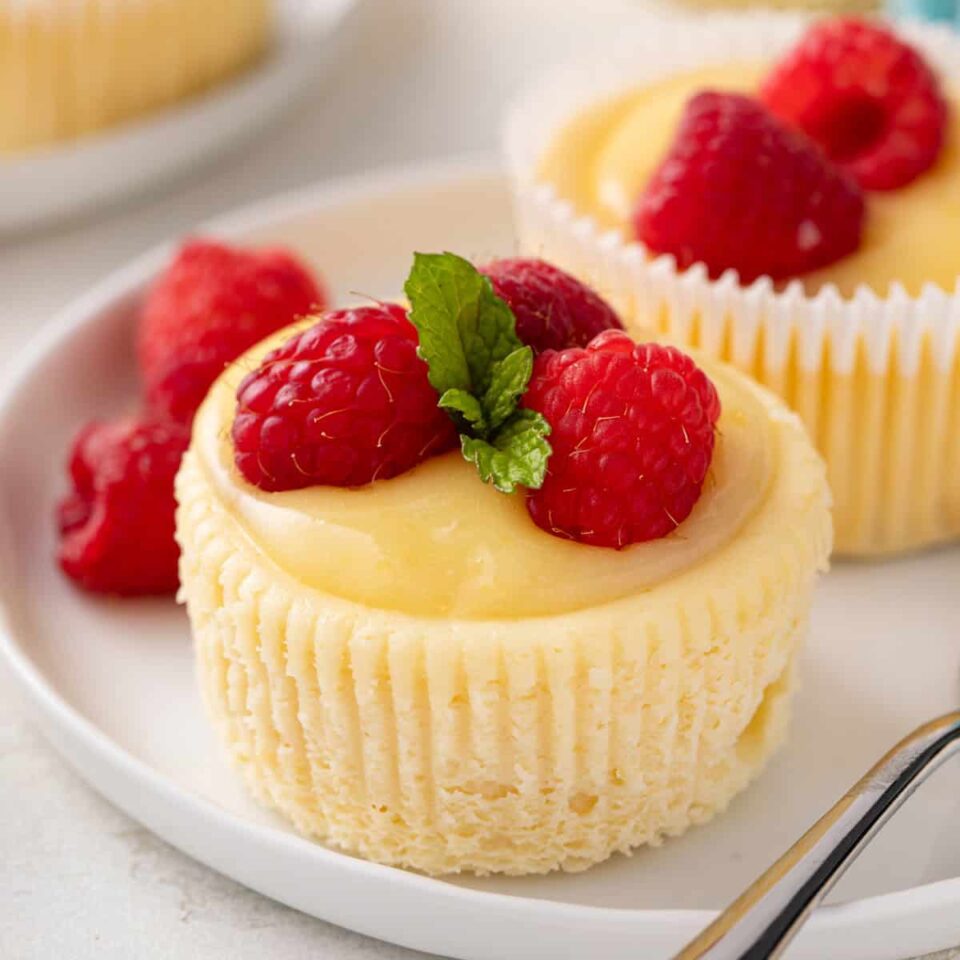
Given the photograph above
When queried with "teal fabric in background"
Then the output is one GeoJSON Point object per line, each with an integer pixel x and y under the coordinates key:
{"type": "Point", "coordinates": [940, 10]}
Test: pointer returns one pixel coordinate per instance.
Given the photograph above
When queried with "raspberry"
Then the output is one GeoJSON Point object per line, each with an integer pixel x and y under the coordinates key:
{"type": "Point", "coordinates": [553, 309]}
{"type": "Point", "coordinates": [209, 306]}
{"type": "Point", "coordinates": [343, 403]}
{"type": "Point", "coordinates": [869, 100]}
{"type": "Point", "coordinates": [739, 190]}
{"type": "Point", "coordinates": [116, 525]}
{"type": "Point", "coordinates": [633, 433]}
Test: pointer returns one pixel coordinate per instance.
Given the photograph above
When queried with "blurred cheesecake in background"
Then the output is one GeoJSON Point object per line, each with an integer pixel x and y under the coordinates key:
{"type": "Point", "coordinates": [71, 67]}
{"type": "Point", "coordinates": [816, 6]}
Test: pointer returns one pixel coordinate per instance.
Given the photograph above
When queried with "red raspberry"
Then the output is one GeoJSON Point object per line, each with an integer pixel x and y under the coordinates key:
{"type": "Point", "coordinates": [343, 403]}
{"type": "Point", "coordinates": [553, 309]}
{"type": "Point", "coordinates": [116, 526]}
{"type": "Point", "coordinates": [633, 432]}
{"type": "Point", "coordinates": [209, 306]}
{"type": "Point", "coordinates": [739, 190]}
{"type": "Point", "coordinates": [867, 98]}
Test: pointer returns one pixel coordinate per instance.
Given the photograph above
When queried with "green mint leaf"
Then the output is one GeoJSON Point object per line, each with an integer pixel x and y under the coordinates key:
{"type": "Point", "coordinates": [464, 327]}
{"type": "Point", "coordinates": [467, 406]}
{"type": "Point", "coordinates": [518, 453]}
{"type": "Point", "coordinates": [480, 368]}
{"type": "Point", "coordinates": [508, 380]}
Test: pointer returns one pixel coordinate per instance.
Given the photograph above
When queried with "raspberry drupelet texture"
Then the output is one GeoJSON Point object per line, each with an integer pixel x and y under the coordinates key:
{"type": "Point", "coordinates": [553, 309]}
{"type": "Point", "coordinates": [210, 305]}
{"type": "Point", "coordinates": [740, 190]}
{"type": "Point", "coordinates": [867, 98]}
{"type": "Point", "coordinates": [117, 523]}
{"type": "Point", "coordinates": [633, 435]}
{"type": "Point", "coordinates": [345, 402]}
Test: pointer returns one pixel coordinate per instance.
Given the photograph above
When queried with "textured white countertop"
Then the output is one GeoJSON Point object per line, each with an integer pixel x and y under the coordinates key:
{"type": "Point", "coordinates": [422, 80]}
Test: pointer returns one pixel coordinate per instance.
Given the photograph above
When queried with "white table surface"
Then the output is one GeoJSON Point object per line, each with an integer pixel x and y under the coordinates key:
{"type": "Point", "coordinates": [420, 80]}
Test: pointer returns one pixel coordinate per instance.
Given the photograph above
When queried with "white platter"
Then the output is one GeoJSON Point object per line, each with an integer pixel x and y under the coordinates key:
{"type": "Point", "coordinates": [67, 179]}
{"type": "Point", "coordinates": [113, 688]}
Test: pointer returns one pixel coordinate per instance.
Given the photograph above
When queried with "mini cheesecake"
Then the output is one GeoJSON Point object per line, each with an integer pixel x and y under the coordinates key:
{"type": "Point", "coordinates": [413, 672]}
{"type": "Point", "coordinates": [73, 67]}
{"type": "Point", "coordinates": [866, 350]}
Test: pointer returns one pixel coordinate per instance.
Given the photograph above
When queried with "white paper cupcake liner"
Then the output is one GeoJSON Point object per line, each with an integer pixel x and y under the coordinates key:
{"type": "Point", "coordinates": [810, 349]}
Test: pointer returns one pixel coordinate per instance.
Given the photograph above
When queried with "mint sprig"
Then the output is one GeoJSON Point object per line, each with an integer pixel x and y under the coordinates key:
{"type": "Point", "coordinates": [480, 368]}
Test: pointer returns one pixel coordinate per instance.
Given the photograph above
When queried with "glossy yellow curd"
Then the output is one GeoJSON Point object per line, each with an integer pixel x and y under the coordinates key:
{"type": "Point", "coordinates": [416, 673]}
{"type": "Point", "coordinates": [435, 541]}
{"type": "Point", "coordinates": [602, 160]}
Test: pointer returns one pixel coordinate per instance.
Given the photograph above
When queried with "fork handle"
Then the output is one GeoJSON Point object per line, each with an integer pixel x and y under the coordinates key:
{"type": "Point", "coordinates": [761, 922]}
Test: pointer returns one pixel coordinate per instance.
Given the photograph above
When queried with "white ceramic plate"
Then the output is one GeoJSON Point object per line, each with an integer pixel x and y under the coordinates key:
{"type": "Point", "coordinates": [113, 684]}
{"type": "Point", "coordinates": [67, 179]}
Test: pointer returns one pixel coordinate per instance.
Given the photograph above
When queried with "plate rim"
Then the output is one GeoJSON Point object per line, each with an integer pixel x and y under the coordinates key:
{"type": "Point", "coordinates": [61, 719]}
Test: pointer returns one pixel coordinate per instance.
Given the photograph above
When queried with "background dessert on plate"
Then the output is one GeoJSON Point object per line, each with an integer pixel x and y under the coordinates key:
{"type": "Point", "coordinates": [862, 340]}
{"type": "Point", "coordinates": [72, 67]}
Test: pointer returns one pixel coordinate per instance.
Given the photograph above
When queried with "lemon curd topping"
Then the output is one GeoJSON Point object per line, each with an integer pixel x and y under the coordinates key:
{"type": "Point", "coordinates": [436, 541]}
{"type": "Point", "coordinates": [602, 160]}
